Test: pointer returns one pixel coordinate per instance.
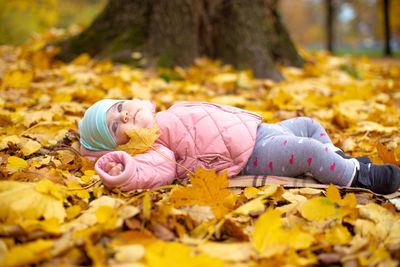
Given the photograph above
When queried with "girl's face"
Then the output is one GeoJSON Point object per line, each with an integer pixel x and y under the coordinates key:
{"type": "Point", "coordinates": [128, 115]}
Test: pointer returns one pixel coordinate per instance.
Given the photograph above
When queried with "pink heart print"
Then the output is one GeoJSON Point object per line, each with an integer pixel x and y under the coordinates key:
{"type": "Point", "coordinates": [255, 162]}
{"type": "Point", "coordinates": [333, 166]}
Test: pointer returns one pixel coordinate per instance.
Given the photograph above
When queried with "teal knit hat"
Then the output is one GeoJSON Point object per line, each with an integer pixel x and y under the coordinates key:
{"type": "Point", "coordinates": [93, 128]}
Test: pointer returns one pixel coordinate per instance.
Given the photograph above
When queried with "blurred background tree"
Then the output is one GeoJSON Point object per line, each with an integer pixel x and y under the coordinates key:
{"type": "Point", "coordinates": [358, 24]}
{"type": "Point", "coordinates": [19, 19]}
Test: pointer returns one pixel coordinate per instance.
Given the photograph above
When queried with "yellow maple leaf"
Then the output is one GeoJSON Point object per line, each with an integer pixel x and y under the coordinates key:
{"type": "Point", "coordinates": [333, 193]}
{"type": "Point", "coordinates": [30, 147]}
{"type": "Point", "coordinates": [17, 78]}
{"type": "Point", "coordinates": [319, 208]}
{"type": "Point", "coordinates": [96, 253]}
{"type": "Point", "coordinates": [208, 189]}
{"type": "Point", "coordinates": [77, 190]}
{"type": "Point", "coordinates": [338, 235]}
{"type": "Point", "coordinates": [251, 192]}
{"type": "Point", "coordinates": [332, 206]}
{"type": "Point", "coordinates": [140, 140]}
{"type": "Point", "coordinates": [28, 253]}
{"type": "Point", "coordinates": [257, 204]}
{"type": "Point", "coordinates": [174, 254]}
{"type": "Point", "coordinates": [15, 163]}
{"type": "Point", "coordinates": [107, 216]}
{"type": "Point", "coordinates": [23, 201]}
{"type": "Point", "coordinates": [347, 205]}
{"type": "Point", "coordinates": [262, 234]}
{"type": "Point", "coordinates": [73, 211]}
{"type": "Point", "coordinates": [51, 225]}
{"type": "Point", "coordinates": [48, 187]}
{"type": "Point", "coordinates": [269, 237]}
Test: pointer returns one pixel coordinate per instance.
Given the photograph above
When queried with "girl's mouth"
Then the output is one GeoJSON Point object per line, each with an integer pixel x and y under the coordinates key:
{"type": "Point", "coordinates": [134, 115]}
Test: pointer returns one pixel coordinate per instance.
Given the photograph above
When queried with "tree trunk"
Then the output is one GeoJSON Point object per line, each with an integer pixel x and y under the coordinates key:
{"type": "Point", "coordinates": [246, 34]}
{"type": "Point", "coordinates": [388, 50]}
{"type": "Point", "coordinates": [329, 25]}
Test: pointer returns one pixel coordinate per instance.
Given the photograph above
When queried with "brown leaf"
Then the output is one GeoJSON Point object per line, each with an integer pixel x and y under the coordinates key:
{"type": "Point", "coordinates": [162, 232]}
{"type": "Point", "coordinates": [329, 258]}
{"type": "Point", "coordinates": [388, 156]}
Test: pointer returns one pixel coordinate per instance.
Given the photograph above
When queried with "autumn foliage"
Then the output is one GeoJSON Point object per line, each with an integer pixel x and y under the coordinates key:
{"type": "Point", "coordinates": [54, 209]}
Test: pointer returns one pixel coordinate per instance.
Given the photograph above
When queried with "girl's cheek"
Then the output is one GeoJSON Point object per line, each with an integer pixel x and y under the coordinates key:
{"type": "Point", "coordinates": [123, 138]}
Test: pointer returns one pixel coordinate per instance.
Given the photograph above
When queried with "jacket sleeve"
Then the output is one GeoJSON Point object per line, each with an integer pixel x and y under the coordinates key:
{"type": "Point", "coordinates": [142, 171]}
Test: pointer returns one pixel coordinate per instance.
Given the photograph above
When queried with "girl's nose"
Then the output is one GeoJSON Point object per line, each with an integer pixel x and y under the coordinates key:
{"type": "Point", "coordinates": [124, 116]}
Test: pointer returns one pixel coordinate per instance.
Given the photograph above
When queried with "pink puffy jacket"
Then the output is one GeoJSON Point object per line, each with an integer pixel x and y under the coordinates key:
{"type": "Point", "coordinates": [194, 135]}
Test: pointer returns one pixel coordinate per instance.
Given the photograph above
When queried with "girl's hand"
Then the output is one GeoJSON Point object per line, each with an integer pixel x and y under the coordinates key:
{"type": "Point", "coordinates": [114, 168]}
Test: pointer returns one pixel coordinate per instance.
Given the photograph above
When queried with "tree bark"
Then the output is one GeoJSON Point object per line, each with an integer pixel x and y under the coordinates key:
{"type": "Point", "coordinates": [388, 50]}
{"type": "Point", "coordinates": [246, 34]}
{"type": "Point", "coordinates": [329, 25]}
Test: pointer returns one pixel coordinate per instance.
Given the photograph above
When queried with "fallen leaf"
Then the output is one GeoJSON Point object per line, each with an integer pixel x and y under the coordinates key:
{"type": "Point", "coordinates": [28, 253]}
{"type": "Point", "coordinates": [208, 189]}
{"type": "Point", "coordinates": [140, 140]}
{"type": "Point", "coordinates": [16, 163]}
{"type": "Point", "coordinates": [175, 254]}
{"type": "Point", "coordinates": [258, 204]}
{"type": "Point", "coordinates": [269, 238]}
{"type": "Point", "coordinates": [338, 235]}
{"type": "Point", "coordinates": [107, 216]}
{"type": "Point", "coordinates": [319, 208]}
{"type": "Point", "coordinates": [22, 201]}
{"type": "Point", "coordinates": [30, 147]}
{"type": "Point", "coordinates": [129, 253]}
{"type": "Point", "coordinates": [388, 156]}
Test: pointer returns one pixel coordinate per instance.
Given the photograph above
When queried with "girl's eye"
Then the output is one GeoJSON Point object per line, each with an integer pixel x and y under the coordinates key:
{"type": "Point", "coordinates": [114, 127]}
{"type": "Point", "coordinates": [119, 107]}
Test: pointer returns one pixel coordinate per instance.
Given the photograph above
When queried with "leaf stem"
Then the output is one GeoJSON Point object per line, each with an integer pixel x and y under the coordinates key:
{"type": "Point", "coordinates": [191, 173]}
{"type": "Point", "coordinates": [151, 146]}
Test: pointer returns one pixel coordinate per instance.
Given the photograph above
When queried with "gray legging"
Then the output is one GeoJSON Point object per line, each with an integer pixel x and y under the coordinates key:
{"type": "Point", "coordinates": [298, 146]}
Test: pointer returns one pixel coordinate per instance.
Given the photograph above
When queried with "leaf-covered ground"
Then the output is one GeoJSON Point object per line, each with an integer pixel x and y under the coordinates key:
{"type": "Point", "coordinates": [54, 209]}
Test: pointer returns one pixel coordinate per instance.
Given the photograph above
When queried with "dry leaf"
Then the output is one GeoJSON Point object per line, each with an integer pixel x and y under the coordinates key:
{"type": "Point", "coordinates": [208, 189]}
{"type": "Point", "coordinates": [41, 101]}
{"type": "Point", "coordinates": [28, 253]}
{"type": "Point", "coordinates": [164, 254]}
{"type": "Point", "coordinates": [269, 238]}
{"type": "Point", "coordinates": [319, 208]}
{"type": "Point", "coordinates": [388, 156]}
{"type": "Point", "coordinates": [23, 201]}
{"type": "Point", "coordinates": [16, 163]}
{"type": "Point", "coordinates": [140, 140]}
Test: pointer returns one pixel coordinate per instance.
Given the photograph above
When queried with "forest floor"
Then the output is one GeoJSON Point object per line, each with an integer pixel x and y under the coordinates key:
{"type": "Point", "coordinates": [55, 210]}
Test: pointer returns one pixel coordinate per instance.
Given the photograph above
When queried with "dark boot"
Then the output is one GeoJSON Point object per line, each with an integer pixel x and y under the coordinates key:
{"type": "Point", "coordinates": [381, 179]}
{"type": "Point", "coordinates": [360, 159]}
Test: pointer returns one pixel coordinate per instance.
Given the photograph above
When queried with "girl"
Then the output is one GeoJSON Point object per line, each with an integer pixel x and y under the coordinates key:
{"type": "Point", "coordinates": [218, 137]}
